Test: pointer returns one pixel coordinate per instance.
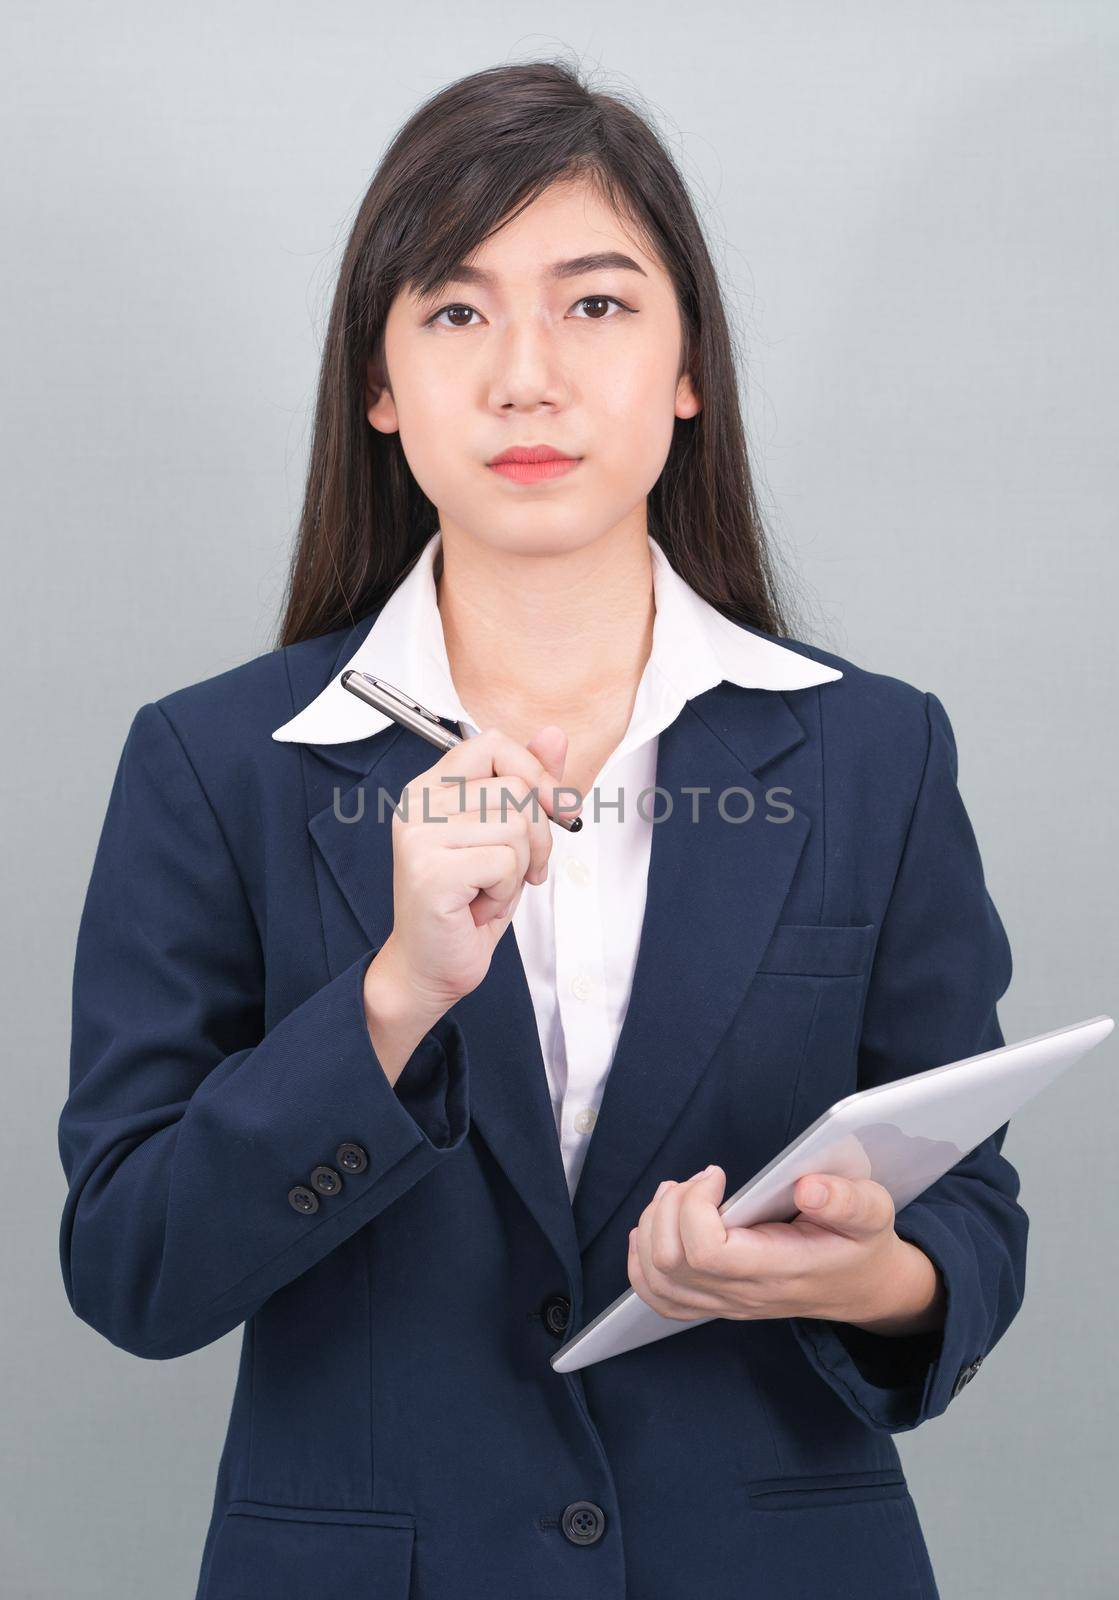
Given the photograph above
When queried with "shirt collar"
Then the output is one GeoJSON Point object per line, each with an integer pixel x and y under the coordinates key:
{"type": "Point", "coordinates": [694, 648]}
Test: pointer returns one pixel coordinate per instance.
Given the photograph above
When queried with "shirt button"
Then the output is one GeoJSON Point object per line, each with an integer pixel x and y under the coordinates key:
{"type": "Point", "coordinates": [585, 1120]}
{"type": "Point", "coordinates": [583, 1522]}
{"type": "Point", "coordinates": [577, 870]}
{"type": "Point", "coordinates": [580, 986]}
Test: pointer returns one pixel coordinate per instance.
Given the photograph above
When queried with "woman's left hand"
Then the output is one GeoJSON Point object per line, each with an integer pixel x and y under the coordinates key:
{"type": "Point", "coordinates": [836, 1259]}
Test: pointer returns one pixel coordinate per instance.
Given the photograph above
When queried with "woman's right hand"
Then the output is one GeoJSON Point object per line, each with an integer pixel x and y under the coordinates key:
{"type": "Point", "coordinates": [458, 872]}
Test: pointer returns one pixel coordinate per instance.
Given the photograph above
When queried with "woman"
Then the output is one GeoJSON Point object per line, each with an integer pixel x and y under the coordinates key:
{"type": "Point", "coordinates": [317, 1087]}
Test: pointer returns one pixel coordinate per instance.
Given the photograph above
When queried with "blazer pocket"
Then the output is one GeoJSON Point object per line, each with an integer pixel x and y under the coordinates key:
{"type": "Point", "coordinates": [796, 1493]}
{"type": "Point", "coordinates": [291, 1552]}
{"type": "Point", "coordinates": [819, 950]}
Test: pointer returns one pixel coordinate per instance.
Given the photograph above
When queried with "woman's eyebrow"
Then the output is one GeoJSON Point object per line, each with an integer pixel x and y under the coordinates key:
{"type": "Point", "coordinates": [600, 261]}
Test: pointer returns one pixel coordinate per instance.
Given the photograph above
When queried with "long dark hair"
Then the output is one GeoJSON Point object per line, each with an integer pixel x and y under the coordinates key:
{"type": "Point", "coordinates": [477, 151]}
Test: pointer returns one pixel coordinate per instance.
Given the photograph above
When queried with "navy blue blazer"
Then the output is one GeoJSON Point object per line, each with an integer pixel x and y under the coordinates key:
{"type": "Point", "coordinates": [405, 1259]}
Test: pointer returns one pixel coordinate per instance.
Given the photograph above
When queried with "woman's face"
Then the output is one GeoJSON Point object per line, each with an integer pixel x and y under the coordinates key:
{"type": "Point", "coordinates": [584, 360]}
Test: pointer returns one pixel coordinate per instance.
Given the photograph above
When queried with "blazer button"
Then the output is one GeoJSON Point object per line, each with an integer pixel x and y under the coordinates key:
{"type": "Point", "coordinates": [326, 1180]}
{"type": "Point", "coordinates": [351, 1157]}
{"type": "Point", "coordinates": [556, 1312]}
{"type": "Point", "coordinates": [303, 1199]}
{"type": "Point", "coordinates": [583, 1522]}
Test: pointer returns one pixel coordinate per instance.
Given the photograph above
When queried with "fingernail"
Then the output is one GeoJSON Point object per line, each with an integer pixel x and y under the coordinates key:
{"type": "Point", "coordinates": [815, 1194]}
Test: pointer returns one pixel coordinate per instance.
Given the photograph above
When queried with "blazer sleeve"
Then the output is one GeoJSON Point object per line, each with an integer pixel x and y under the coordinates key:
{"type": "Point", "coordinates": [942, 963]}
{"type": "Point", "coordinates": [187, 1124]}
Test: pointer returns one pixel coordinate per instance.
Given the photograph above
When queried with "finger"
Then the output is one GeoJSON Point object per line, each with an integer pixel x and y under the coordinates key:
{"type": "Point", "coordinates": [666, 1247]}
{"type": "Point", "coordinates": [670, 1295]}
{"type": "Point", "coordinates": [643, 1234]}
{"type": "Point", "coordinates": [498, 893]}
{"type": "Point", "coordinates": [854, 1207]}
{"type": "Point", "coordinates": [471, 829]}
{"type": "Point", "coordinates": [493, 753]}
{"type": "Point", "coordinates": [638, 1281]}
{"type": "Point", "coordinates": [500, 802]}
{"type": "Point", "coordinates": [703, 1237]}
{"type": "Point", "coordinates": [661, 1298]}
{"type": "Point", "coordinates": [487, 878]}
{"type": "Point", "coordinates": [550, 746]}
{"type": "Point", "coordinates": [494, 799]}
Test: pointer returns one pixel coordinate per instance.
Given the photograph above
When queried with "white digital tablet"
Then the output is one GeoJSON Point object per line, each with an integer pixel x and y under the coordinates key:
{"type": "Point", "coordinates": [904, 1134]}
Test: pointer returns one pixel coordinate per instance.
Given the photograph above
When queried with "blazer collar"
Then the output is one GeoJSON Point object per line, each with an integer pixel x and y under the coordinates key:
{"type": "Point", "coordinates": [694, 648]}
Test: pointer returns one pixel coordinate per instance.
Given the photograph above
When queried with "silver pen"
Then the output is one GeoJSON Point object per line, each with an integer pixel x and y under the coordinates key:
{"type": "Point", "coordinates": [410, 714]}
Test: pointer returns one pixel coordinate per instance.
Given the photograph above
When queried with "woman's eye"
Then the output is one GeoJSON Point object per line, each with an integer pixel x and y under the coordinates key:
{"type": "Point", "coordinates": [587, 300]}
{"type": "Point", "coordinates": [444, 312]}
{"type": "Point", "coordinates": [599, 300]}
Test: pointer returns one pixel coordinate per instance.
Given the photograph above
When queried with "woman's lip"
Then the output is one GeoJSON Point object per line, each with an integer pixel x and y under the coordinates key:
{"type": "Point", "coordinates": [535, 471]}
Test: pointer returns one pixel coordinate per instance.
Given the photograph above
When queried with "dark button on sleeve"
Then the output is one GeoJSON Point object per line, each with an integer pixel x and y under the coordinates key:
{"type": "Point", "coordinates": [325, 1180]}
{"type": "Point", "coordinates": [303, 1199]}
{"type": "Point", "coordinates": [351, 1157]}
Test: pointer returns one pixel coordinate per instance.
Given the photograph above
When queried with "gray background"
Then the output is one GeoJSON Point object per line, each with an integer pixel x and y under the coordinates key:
{"type": "Point", "coordinates": [913, 208]}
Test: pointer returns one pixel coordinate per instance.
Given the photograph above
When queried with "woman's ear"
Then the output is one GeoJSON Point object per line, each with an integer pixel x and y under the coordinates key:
{"type": "Point", "coordinates": [380, 407]}
{"type": "Point", "coordinates": [687, 400]}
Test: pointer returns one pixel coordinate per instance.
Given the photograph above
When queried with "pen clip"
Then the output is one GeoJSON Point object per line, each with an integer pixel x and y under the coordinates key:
{"type": "Point", "coordinates": [394, 693]}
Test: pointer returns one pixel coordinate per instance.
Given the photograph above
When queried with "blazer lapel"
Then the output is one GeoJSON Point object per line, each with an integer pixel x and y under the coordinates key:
{"type": "Point", "coordinates": [714, 895]}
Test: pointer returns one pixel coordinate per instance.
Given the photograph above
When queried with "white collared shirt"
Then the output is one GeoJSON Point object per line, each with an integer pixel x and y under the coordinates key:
{"type": "Point", "coordinates": [577, 932]}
